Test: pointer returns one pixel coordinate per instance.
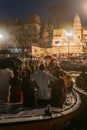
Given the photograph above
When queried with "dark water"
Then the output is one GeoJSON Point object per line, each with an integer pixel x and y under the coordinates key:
{"type": "Point", "coordinates": [79, 121]}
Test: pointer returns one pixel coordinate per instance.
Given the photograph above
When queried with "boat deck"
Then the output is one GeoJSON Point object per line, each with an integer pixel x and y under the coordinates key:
{"type": "Point", "coordinates": [15, 112]}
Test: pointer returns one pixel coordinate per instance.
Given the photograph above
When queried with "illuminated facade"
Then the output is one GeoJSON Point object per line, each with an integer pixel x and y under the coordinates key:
{"type": "Point", "coordinates": [22, 34]}
{"type": "Point", "coordinates": [77, 29]}
{"type": "Point", "coordinates": [63, 44]}
{"type": "Point", "coordinates": [26, 34]}
{"type": "Point", "coordinates": [29, 33]}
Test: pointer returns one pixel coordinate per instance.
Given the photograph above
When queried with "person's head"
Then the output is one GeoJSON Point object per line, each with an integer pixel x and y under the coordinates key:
{"type": "Point", "coordinates": [57, 71]}
{"type": "Point", "coordinates": [16, 73]}
{"type": "Point", "coordinates": [83, 71]}
{"type": "Point", "coordinates": [57, 68]}
{"type": "Point", "coordinates": [28, 73]}
{"type": "Point", "coordinates": [26, 63]}
{"type": "Point", "coordinates": [68, 76]}
{"type": "Point", "coordinates": [42, 67]}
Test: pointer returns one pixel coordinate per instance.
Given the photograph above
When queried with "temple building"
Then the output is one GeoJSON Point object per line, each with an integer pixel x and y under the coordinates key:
{"type": "Point", "coordinates": [70, 42]}
{"type": "Point", "coordinates": [33, 36]}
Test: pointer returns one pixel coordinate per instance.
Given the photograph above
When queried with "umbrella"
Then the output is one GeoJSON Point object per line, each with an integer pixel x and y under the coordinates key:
{"type": "Point", "coordinates": [48, 57]}
{"type": "Point", "coordinates": [10, 62]}
{"type": "Point", "coordinates": [5, 52]}
{"type": "Point", "coordinates": [6, 63]}
{"type": "Point", "coordinates": [16, 60]}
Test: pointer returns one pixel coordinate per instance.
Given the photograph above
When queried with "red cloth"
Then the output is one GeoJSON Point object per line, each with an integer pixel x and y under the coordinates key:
{"type": "Point", "coordinates": [25, 68]}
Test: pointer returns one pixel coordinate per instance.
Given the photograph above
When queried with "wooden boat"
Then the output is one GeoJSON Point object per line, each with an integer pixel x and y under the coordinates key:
{"type": "Point", "coordinates": [69, 66]}
{"type": "Point", "coordinates": [80, 83]}
{"type": "Point", "coordinates": [13, 116]}
{"type": "Point", "coordinates": [83, 95]}
{"type": "Point", "coordinates": [81, 91]}
{"type": "Point", "coordinates": [82, 113]}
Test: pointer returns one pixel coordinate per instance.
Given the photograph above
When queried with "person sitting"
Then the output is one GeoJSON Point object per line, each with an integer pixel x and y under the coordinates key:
{"type": "Point", "coordinates": [83, 74]}
{"type": "Point", "coordinates": [42, 78]}
{"type": "Point", "coordinates": [81, 80]}
{"type": "Point", "coordinates": [69, 82]}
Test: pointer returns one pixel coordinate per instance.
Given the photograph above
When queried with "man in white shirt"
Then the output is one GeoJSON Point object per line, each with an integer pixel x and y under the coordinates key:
{"type": "Point", "coordinates": [42, 78]}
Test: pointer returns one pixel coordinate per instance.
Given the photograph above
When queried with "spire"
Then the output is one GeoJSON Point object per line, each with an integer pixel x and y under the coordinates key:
{"type": "Point", "coordinates": [77, 22]}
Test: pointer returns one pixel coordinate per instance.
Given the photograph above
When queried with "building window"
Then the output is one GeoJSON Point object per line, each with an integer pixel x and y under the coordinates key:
{"type": "Point", "coordinates": [78, 37]}
{"type": "Point", "coordinates": [57, 35]}
{"type": "Point", "coordinates": [57, 42]}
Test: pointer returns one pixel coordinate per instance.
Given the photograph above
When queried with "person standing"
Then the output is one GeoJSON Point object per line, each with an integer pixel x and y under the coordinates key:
{"type": "Point", "coordinates": [43, 78]}
{"type": "Point", "coordinates": [28, 91]}
{"type": "Point", "coordinates": [58, 89]}
{"type": "Point", "coordinates": [16, 84]}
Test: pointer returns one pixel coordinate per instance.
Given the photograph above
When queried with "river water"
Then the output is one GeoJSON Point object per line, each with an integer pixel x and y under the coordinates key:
{"type": "Point", "coordinates": [79, 121]}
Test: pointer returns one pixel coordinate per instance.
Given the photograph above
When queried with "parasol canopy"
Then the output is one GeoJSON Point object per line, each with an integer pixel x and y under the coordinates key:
{"type": "Point", "coordinates": [10, 62]}
{"type": "Point", "coordinates": [48, 57]}
{"type": "Point", "coordinates": [16, 60]}
{"type": "Point", "coordinates": [4, 52]}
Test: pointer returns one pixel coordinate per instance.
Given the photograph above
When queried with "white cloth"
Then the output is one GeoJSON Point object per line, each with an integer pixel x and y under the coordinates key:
{"type": "Point", "coordinates": [5, 75]}
{"type": "Point", "coordinates": [42, 79]}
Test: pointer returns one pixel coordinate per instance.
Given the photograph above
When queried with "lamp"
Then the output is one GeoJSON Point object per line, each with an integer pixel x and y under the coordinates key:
{"type": "Point", "coordinates": [1, 37]}
{"type": "Point", "coordinates": [69, 36]}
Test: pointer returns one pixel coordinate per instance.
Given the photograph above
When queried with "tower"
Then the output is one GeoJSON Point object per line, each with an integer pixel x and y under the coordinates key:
{"type": "Point", "coordinates": [77, 29]}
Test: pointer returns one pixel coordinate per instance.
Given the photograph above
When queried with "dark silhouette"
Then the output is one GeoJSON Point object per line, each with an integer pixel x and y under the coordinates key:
{"type": "Point", "coordinates": [28, 91]}
{"type": "Point", "coordinates": [58, 90]}
{"type": "Point", "coordinates": [15, 83]}
{"type": "Point", "coordinates": [81, 80]}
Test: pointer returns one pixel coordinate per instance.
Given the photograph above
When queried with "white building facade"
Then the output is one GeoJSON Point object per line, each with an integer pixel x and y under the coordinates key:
{"type": "Point", "coordinates": [65, 44]}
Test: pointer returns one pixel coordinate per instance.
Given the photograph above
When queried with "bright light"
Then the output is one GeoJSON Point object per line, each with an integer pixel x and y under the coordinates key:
{"type": "Point", "coordinates": [85, 7]}
{"type": "Point", "coordinates": [65, 44]}
{"type": "Point", "coordinates": [69, 34]}
{"type": "Point", "coordinates": [1, 36]}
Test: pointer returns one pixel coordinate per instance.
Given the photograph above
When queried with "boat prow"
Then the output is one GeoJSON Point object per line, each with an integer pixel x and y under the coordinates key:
{"type": "Point", "coordinates": [13, 116]}
{"type": "Point", "coordinates": [81, 91]}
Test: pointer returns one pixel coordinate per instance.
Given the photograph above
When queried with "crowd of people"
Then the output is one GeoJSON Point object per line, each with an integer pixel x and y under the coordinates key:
{"type": "Point", "coordinates": [36, 83]}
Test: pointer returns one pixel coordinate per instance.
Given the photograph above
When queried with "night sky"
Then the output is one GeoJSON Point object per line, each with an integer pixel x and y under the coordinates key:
{"type": "Point", "coordinates": [23, 8]}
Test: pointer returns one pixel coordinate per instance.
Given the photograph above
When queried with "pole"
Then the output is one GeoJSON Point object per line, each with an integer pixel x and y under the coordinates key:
{"type": "Point", "coordinates": [69, 37]}
{"type": "Point", "coordinates": [68, 49]}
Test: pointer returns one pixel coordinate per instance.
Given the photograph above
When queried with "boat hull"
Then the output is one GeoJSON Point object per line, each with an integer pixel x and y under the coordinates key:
{"type": "Point", "coordinates": [55, 121]}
